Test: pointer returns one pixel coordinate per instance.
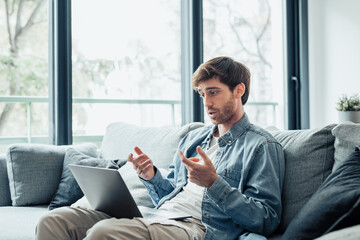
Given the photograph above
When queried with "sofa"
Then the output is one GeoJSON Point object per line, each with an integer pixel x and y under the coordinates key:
{"type": "Point", "coordinates": [32, 175]}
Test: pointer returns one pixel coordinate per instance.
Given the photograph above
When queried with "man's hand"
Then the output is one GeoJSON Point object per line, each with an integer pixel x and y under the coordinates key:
{"type": "Point", "coordinates": [142, 164]}
{"type": "Point", "coordinates": [204, 174]}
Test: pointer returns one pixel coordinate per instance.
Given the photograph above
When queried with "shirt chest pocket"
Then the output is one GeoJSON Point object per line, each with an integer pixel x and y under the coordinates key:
{"type": "Point", "coordinates": [232, 176]}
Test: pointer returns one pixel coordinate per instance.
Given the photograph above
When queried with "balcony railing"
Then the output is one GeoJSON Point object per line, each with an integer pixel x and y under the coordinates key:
{"type": "Point", "coordinates": [91, 138]}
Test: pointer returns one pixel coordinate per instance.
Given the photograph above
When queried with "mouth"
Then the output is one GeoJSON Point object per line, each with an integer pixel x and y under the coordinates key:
{"type": "Point", "coordinates": [212, 113]}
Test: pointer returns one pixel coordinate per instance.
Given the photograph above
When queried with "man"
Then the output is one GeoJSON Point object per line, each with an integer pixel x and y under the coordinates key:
{"type": "Point", "coordinates": [233, 192]}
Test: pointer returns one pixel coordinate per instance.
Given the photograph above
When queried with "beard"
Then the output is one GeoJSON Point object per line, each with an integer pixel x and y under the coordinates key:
{"type": "Point", "coordinates": [225, 114]}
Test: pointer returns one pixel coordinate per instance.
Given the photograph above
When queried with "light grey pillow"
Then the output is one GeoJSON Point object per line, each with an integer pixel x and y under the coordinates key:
{"type": "Point", "coordinates": [5, 199]}
{"type": "Point", "coordinates": [159, 143]}
{"type": "Point", "coordinates": [347, 136]}
{"type": "Point", "coordinates": [309, 156]}
{"type": "Point", "coordinates": [34, 171]}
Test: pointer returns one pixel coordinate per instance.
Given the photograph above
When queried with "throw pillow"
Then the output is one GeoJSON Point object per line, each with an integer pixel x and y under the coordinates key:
{"type": "Point", "coordinates": [68, 190]}
{"type": "Point", "coordinates": [309, 156]}
{"type": "Point", "coordinates": [335, 205]}
{"type": "Point", "coordinates": [34, 171]}
{"type": "Point", "coordinates": [347, 136]}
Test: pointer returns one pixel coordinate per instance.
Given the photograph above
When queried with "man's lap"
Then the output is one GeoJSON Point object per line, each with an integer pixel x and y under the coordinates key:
{"type": "Point", "coordinates": [78, 222]}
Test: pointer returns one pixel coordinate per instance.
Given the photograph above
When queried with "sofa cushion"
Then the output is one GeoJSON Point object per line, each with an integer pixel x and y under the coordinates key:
{"type": "Point", "coordinates": [347, 136]}
{"type": "Point", "coordinates": [68, 190]}
{"type": "Point", "coordinates": [19, 223]}
{"type": "Point", "coordinates": [159, 143]}
{"type": "Point", "coordinates": [5, 199]}
{"type": "Point", "coordinates": [34, 171]}
{"type": "Point", "coordinates": [335, 205]}
{"type": "Point", "coordinates": [309, 156]}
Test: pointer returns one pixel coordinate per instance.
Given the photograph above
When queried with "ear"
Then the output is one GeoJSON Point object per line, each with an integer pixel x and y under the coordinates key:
{"type": "Point", "coordinates": [239, 90]}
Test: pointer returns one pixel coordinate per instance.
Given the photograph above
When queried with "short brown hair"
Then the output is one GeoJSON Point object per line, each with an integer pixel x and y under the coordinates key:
{"type": "Point", "coordinates": [229, 71]}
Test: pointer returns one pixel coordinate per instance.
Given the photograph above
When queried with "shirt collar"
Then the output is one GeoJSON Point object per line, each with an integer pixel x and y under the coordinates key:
{"type": "Point", "coordinates": [235, 132]}
{"type": "Point", "coordinates": [230, 136]}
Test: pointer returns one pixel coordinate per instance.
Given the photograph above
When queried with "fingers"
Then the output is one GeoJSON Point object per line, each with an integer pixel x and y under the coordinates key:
{"type": "Point", "coordinates": [130, 157]}
{"type": "Point", "coordinates": [203, 155]}
{"type": "Point", "coordinates": [140, 160]}
{"type": "Point", "coordinates": [142, 164]}
{"type": "Point", "coordinates": [182, 156]}
{"type": "Point", "coordinates": [201, 174]}
{"type": "Point", "coordinates": [187, 162]}
{"type": "Point", "coordinates": [142, 167]}
{"type": "Point", "coordinates": [141, 156]}
{"type": "Point", "coordinates": [138, 150]}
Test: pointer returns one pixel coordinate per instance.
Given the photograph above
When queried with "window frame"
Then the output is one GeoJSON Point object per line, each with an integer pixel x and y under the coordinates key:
{"type": "Point", "coordinates": [60, 73]}
{"type": "Point", "coordinates": [297, 70]}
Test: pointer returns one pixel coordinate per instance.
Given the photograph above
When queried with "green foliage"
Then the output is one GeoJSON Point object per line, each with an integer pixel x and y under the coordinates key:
{"type": "Point", "coordinates": [89, 74]}
{"type": "Point", "coordinates": [26, 75]}
{"type": "Point", "coordinates": [351, 103]}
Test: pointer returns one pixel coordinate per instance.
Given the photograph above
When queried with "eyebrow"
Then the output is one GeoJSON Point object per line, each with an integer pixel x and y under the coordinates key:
{"type": "Point", "coordinates": [210, 88]}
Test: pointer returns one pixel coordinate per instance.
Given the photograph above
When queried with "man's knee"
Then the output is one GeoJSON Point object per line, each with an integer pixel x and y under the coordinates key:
{"type": "Point", "coordinates": [47, 224]}
{"type": "Point", "coordinates": [100, 230]}
{"type": "Point", "coordinates": [63, 223]}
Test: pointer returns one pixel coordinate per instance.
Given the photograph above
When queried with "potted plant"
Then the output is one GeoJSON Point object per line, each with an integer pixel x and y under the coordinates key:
{"type": "Point", "coordinates": [349, 108]}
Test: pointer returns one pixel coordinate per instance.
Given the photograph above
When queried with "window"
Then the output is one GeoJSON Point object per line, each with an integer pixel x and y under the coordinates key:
{"type": "Point", "coordinates": [125, 64]}
{"type": "Point", "coordinates": [250, 31]}
{"type": "Point", "coordinates": [23, 72]}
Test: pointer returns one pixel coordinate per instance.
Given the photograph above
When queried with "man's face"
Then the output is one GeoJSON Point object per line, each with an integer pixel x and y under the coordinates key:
{"type": "Point", "coordinates": [218, 100]}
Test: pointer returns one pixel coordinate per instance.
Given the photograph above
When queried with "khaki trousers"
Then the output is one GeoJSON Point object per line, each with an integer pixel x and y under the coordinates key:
{"type": "Point", "coordinates": [79, 223]}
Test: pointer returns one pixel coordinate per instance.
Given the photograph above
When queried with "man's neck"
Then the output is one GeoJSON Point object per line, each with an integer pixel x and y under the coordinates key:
{"type": "Point", "coordinates": [223, 128]}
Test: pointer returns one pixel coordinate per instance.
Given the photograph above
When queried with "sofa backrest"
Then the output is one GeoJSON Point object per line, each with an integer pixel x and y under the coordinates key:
{"type": "Point", "coordinates": [309, 157]}
{"type": "Point", "coordinates": [159, 143]}
{"type": "Point", "coordinates": [5, 199]}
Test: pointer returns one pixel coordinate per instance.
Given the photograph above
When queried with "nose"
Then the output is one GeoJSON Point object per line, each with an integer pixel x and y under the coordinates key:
{"type": "Point", "coordinates": [207, 101]}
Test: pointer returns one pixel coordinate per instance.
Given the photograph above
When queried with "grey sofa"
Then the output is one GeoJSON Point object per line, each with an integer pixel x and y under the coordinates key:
{"type": "Point", "coordinates": [30, 173]}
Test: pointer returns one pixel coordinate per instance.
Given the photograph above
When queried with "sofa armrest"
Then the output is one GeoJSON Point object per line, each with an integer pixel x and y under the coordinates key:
{"type": "Point", "coordinates": [5, 199]}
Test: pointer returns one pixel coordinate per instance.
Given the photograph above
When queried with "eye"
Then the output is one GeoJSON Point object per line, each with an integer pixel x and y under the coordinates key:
{"type": "Point", "coordinates": [201, 94]}
{"type": "Point", "coordinates": [213, 93]}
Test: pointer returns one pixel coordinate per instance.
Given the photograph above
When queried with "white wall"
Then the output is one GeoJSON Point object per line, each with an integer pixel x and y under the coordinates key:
{"type": "Point", "coordinates": [334, 56]}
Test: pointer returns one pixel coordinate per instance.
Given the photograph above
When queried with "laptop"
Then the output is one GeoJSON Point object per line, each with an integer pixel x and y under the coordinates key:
{"type": "Point", "coordinates": [107, 192]}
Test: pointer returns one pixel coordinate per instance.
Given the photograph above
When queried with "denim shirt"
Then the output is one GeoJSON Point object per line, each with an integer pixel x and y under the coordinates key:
{"type": "Point", "coordinates": [246, 196]}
